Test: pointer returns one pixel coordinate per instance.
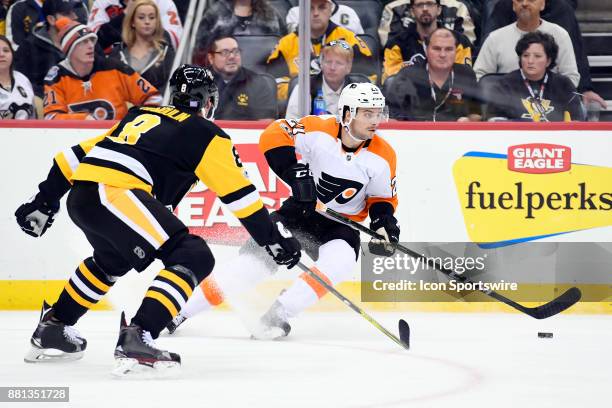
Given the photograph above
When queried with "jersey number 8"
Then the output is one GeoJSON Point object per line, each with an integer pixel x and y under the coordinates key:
{"type": "Point", "coordinates": [132, 131]}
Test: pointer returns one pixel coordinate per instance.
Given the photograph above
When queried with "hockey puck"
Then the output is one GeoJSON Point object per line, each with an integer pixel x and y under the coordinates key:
{"type": "Point", "coordinates": [545, 335]}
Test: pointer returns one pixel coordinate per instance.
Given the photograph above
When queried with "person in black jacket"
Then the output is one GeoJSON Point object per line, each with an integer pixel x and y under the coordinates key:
{"type": "Point", "coordinates": [534, 92]}
{"type": "Point", "coordinates": [560, 12]}
{"type": "Point", "coordinates": [41, 50]}
{"type": "Point", "coordinates": [243, 94]}
{"type": "Point", "coordinates": [24, 15]}
{"type": "Point", "coordinates": [440, 90]}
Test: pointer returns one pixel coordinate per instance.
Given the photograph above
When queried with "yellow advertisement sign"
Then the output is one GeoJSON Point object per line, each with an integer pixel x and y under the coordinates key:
{"type": "Point", "coordinates": [502, 205]}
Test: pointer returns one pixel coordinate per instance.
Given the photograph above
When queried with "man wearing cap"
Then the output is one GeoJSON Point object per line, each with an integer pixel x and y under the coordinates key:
{"type": "Point", "coordinates": [40, 50]}
{"type": "Point", "coordinates": [87, 86]}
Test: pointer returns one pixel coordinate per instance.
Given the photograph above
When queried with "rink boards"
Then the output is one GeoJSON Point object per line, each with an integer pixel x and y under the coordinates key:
{"type": "Point", "coordinates": [500, 185]}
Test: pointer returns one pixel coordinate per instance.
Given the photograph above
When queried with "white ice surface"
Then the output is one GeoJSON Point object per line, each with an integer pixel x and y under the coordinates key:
{"type": "Point", "coordinates": [338, 360]}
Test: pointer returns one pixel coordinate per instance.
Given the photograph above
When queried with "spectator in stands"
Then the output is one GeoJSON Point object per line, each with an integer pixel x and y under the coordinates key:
{"type": "Point", "coordinates": [106, 19]}
{"type": "Point", "coordinates": [406, 47]}
{"type": "Point", "coordinates": [496, 57]}
{"type": "Point", "coordinates": [440, 90]}
{"type": "Point", "coordinates": [336, 63]}
{"type": "Point", "coordinates": [41, 50]}
{"type": "Point", "coordinates": [397, 16]}
{"type": "Point", "coordinates": [342, 15]}
{"type": "Point", "coordinates": [24, 15]}
{"type": "Point", "coordinates": [243, 94]}
{"type": "Point", "coordinates": [282, 63]}
{"type": "Point", "coordinates": [534, 92]}
{"type": "Point", "coordinates": [143, 47]}
{"type": "Point", "coordinates": [560, 13]}
{"type": "Point", "coordinates": [87, 86]}
{"type": "Point", "coordinates": [16, 93]}
{"type": "Point", "coordinates": [238, 17]}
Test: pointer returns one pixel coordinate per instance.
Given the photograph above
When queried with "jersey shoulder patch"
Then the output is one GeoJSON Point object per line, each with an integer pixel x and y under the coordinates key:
{"type": "Point", "coordinates": [52, 73]}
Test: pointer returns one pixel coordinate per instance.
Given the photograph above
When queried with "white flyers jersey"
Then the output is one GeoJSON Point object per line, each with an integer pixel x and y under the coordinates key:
{"type": "Point", "coordinates": [18, 102]}
{"type": "Point", "coordinates": [103, 10]}
{"type": "Point", "coordinates": [347, 182]}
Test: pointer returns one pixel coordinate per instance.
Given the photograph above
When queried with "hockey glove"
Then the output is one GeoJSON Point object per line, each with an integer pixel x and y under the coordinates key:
{"type": "Point", "coordinates": [303, 188]}
{"type": "Point", "coordinates": [287, 249]}
{"type": "Point", "coordinates": [36, 216]}
{"type": "Point", "coordinates": [385, 225]}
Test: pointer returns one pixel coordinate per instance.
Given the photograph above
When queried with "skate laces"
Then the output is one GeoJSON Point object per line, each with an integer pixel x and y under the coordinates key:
{"type": "Point", "coordinates": [72, 335]}
{"type": "Point", "coordinates": [148, 339]}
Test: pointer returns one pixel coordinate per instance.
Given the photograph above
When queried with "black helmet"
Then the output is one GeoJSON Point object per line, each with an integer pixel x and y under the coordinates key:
{"type": "Point", "coordinates": [191, 86]}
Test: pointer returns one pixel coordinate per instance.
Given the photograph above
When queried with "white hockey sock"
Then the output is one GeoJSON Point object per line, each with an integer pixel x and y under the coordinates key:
{"type": "Point", "coordinates": [197, 303]}
{"type": "Point", "coordinates": [227, 280]}
{"type": "Point", "coordinates": [336, 263]}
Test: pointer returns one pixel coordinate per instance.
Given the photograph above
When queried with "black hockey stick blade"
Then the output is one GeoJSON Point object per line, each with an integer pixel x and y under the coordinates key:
{"type": "Point", "coordinates": [404, 333]}
{"type": "Point", "coordinates": [556, 306]}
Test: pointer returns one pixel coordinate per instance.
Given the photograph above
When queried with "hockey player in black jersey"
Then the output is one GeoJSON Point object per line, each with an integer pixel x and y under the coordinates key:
{"type": "Point", "coordinates": [122, 185]}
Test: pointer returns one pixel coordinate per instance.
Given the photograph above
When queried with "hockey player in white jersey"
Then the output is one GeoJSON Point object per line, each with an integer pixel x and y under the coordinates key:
{"type": "Point", "coordinates": [344, 165]}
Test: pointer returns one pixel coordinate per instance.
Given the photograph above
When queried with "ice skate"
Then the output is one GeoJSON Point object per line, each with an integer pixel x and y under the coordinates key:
{"type": "Point", "coordinates": [273, 325]}
{"type": "Point", "coordinates": [175, 323]}
{"type": "Point", "coordinates": [54, 341]}
{"type": "Point", "coordinates": [137, 356]}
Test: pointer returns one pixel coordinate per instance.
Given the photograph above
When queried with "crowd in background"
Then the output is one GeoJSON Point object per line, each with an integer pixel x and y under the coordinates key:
{"type": "Point", "coordinates": [436, 60]}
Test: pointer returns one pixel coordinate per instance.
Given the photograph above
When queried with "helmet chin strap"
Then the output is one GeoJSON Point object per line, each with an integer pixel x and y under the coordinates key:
{"type": "Point", "coordinates": [347, 127]}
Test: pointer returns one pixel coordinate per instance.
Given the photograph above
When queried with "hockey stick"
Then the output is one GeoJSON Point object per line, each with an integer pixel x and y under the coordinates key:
{"type": "Point", "coordinates": [555, 306]}
{"type": "Point", "coordinates": [404, 329]}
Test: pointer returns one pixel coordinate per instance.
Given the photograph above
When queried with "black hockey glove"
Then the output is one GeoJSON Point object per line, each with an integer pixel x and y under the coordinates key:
{"type": "Point", "coordinates": [287, 249]}
{"type": "Point", "coordinates": [36, 216]}
{"type": "Point", "coordinates": [385, 225]}
{"type": "Point", "coordinates": [303, 188]}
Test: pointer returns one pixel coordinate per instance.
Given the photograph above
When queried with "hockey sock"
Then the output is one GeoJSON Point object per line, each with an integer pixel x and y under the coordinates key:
{"type": "Point", "coordinates": [230, 279]}
{"type": "Point", "coordinates": [336, 263]}
{"type": "Point", "coordinates": [164, 299]}
{"type": "Point", "coordinates": [87, 285]}
{"type": "Point", "coordinates": [204, 297]}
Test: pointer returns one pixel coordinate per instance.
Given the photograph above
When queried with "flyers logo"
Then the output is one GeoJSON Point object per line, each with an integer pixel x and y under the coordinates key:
{"type": "Point", "coordinates": [342, 190]}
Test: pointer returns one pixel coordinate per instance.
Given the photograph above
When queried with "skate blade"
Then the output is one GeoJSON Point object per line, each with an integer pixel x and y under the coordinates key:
{"type": "Point", "coordinates": [37, 355]}
{"type": "Point", "coordinates": [269, 333]}
{"type": "Point", "coordinates": [130, 368]}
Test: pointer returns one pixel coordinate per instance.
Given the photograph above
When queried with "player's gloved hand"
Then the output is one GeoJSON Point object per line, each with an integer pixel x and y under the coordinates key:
{"type": "Point", "coordinates": [303, 187]}
{"type": "Point", "coordinates": [287, 249]}
{"type": "Point", "coordinates": [36, 216]}
{"type": "Point", "coordinates": [385, 225]}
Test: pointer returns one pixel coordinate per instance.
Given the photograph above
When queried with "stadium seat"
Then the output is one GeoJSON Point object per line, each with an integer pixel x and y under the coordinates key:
{"type": "Point", "coordinates": [282, 6]}
{"type": "Point", "coordinates": [369, 12]}
{"type": "Point", "coordinates": [487, 85]}
{"type": "Point", "coordinates": [256, 49]}
{"type": "Point", "coordinates": [374, 45]}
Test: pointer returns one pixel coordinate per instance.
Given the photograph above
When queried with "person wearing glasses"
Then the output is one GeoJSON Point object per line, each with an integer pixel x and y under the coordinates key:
{"type": "Point", "coordinates": [243, 94]}
{"type": "Point", "coordinates": [407, 47]}
{"type": "Point", "coordinates": [534, 92]}
{"type": "Point", "coordinates": [397, 16]}
{"type": "Point", "coordinates": [336, 61]}
{"type": "Point", "coordinates": [440, 90]}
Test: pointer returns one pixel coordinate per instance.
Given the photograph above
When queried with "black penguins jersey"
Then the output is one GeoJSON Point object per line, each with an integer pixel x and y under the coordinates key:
{"type": "Point", "coordinates": [164, 151]}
